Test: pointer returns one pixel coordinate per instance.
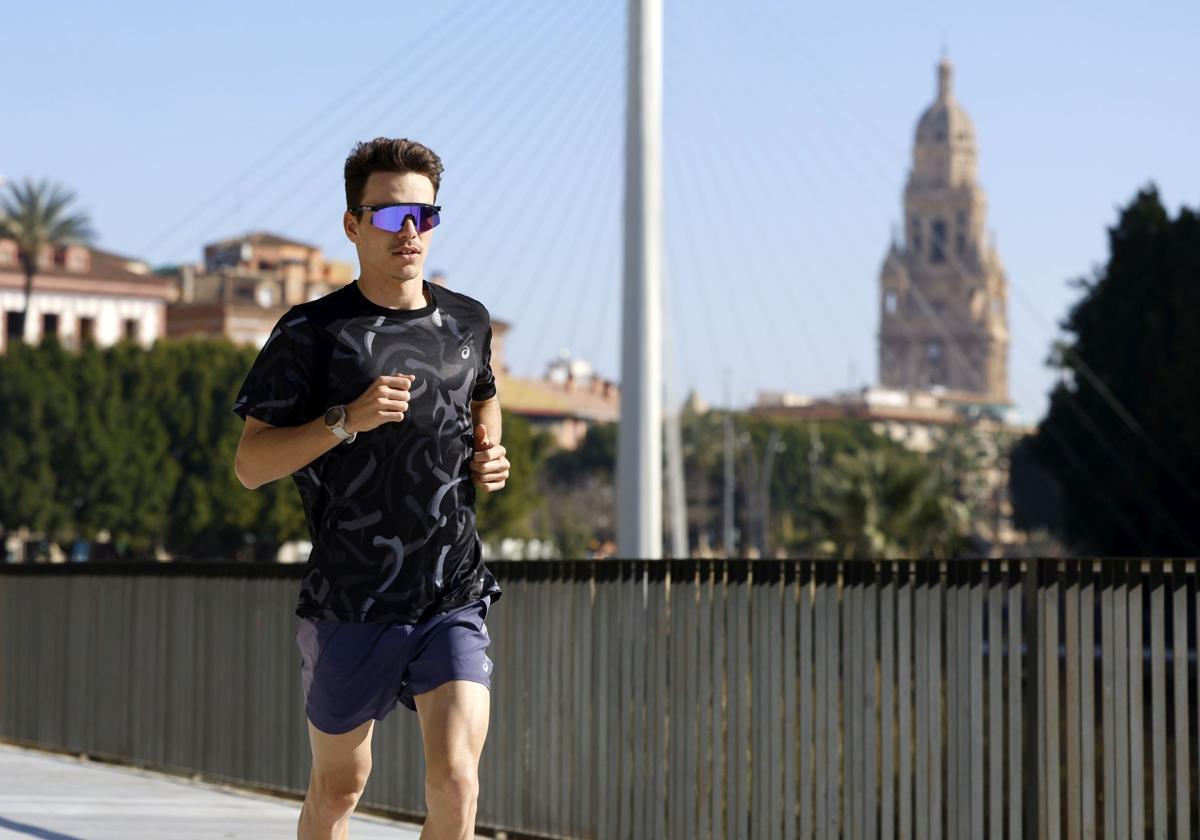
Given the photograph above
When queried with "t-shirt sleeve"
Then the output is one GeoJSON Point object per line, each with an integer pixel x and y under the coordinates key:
{"type": "Point", "coordinates": [279, 388]}
{"type": "Point", "coordinates": [485, 381]}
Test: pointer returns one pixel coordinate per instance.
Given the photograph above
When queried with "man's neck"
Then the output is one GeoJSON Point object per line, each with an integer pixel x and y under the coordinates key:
{"type": "Point", "coordinates": [394, 294]}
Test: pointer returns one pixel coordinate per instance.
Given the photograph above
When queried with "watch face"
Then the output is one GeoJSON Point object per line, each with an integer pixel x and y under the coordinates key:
{"type": "Point", "coordinates": [333, 415]}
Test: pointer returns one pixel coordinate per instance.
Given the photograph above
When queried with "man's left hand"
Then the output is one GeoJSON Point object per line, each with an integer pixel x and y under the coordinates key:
{"type": "Point", "coordinates": [489, 467]}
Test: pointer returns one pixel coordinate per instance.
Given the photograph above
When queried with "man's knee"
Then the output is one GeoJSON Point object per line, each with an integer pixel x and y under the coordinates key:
{"type": "Point", "coordinates": [452, 791]}
{"type": "Point", "coordinates": [341, 765]}
{"type": "Point", "coordinates": [335, 794]}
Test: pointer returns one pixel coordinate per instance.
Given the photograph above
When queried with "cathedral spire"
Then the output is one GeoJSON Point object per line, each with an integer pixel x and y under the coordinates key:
{"type": "Point", "coordinates": [945, 79]}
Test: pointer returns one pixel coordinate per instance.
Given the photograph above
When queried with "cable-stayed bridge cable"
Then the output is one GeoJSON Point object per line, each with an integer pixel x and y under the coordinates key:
{"type": "Point", "coordinates": [183, 223]}
{"type": "Point", "coordinates": [325, 177]}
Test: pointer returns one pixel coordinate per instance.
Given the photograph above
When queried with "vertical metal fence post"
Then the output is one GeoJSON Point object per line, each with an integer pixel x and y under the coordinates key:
{"type": "Point", "coordinates": [1031, 772]}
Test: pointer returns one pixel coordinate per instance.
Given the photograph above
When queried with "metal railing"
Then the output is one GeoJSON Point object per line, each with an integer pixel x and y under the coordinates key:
{"type": "Point", "coordinates": [689, 699]}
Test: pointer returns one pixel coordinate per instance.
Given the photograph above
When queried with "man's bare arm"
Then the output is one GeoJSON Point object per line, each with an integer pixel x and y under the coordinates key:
{"type": "Point", "coordinates": [268, 452]}
{"type": "Point", "coordinates": [487, 412]}
{"type": "Point", "coordinates": [489, 464]}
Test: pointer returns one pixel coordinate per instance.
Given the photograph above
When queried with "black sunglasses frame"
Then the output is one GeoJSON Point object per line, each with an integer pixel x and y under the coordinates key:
{"type": "Point", "coordinates": [437, 208]}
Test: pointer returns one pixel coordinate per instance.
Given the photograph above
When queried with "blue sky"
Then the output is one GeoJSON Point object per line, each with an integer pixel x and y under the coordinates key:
{"type": "Point", "coordinates": [787, 133]}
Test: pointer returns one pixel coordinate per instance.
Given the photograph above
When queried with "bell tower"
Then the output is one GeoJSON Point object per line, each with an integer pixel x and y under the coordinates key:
{"type": "Point", "coordinates": [943, 292]}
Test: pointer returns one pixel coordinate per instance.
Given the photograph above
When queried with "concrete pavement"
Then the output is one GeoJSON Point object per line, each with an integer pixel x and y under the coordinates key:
{"type": "Point", "coordinates": [58, 797]}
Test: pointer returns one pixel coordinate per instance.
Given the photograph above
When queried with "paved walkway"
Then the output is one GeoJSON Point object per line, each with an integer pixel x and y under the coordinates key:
{"type": "Point", "coordinates": [57, 797]}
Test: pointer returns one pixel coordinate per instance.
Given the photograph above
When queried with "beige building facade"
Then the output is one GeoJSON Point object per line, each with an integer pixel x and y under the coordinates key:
{"type": "Point", "coordinates": [943, 317]}
{"type": "Point", "coordinates": [81, 296]}
{"type": "Point", "coordinates": [247, 283]}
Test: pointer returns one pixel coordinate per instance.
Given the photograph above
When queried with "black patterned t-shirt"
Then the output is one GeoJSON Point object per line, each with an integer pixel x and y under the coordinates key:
{"type": "Point", "coordinates": [391, 513]}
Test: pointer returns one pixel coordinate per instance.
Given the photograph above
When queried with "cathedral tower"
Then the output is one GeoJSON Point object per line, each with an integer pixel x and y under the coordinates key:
{"type": "Point", "coordinates": [943, 293]}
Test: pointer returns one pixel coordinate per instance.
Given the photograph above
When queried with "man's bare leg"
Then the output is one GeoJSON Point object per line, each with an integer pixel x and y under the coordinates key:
{"type": "Point", "coordinates": [340, 767]}
{"type": "Point", "coordinates": [454, 724]}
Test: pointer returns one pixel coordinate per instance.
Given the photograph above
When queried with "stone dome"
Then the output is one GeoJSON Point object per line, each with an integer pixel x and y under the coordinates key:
{"type": "Point", "coordinates": [944, 147]}
{"type": "Point", "coordinates": [945, 122]}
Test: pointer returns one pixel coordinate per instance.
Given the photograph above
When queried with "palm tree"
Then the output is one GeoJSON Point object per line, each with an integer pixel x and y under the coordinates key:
{"type": "Point", "coordinates": [886, 504]}
{"type": "Point", "coordinates": [35, 215]}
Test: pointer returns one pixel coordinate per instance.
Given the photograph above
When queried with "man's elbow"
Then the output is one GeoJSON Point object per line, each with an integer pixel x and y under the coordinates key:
{"type": "Point", "coordinates": [243, 476]}
{"type": "Point", "coordinates": [247, 455]}
{"type": "Point", "coordinates": [244, 471]}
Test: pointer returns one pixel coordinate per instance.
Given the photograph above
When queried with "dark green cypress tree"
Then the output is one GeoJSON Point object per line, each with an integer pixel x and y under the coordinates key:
{"type": "Point", "coordinates": [1131, 488]}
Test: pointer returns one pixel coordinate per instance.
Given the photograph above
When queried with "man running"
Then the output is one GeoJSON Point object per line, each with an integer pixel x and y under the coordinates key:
{"type": "Point", "coordinates": [379, 400]}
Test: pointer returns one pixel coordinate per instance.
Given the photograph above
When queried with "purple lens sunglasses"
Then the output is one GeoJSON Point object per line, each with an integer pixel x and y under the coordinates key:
{"type": "Point", "coordinates": [390, 217]}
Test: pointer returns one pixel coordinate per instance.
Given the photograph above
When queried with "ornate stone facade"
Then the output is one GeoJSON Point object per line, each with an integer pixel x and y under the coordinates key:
{"type": "Point", "coordinates": [943, 292]}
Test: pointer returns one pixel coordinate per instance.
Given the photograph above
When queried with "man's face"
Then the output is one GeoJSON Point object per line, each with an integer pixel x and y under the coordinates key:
{"type": "Point", "coordinates": [401, 255]}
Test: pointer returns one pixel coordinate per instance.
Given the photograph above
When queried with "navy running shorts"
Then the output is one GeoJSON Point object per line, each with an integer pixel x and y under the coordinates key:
{"type": "Point", "coordinates": [354, 671]}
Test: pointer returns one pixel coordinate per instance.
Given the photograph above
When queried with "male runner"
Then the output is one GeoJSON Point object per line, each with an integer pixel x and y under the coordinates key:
{"type": "Point", "coordinates": [379, 400]}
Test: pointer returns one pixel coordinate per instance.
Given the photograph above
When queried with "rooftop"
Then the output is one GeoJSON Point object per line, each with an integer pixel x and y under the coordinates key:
{"type": "Point", "coordinates": [262, 237]}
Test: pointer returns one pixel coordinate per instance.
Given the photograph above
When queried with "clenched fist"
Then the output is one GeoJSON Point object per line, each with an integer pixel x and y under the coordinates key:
{"type": "Point", "coordinates": [385, 401]}
{"type": "Point", "coordinates": [489, 467]}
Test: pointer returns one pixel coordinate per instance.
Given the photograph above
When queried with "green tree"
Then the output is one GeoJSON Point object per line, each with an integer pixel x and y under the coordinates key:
{"type": "Point", "coordinates": [808, 453]}
{"type": "Point", "coordinates": [836, 488]}
{"type": "Point", "coordinates": [34, 215]}
{"type": "Point", "coordinates": [1120, 437]}
{"type": "Point", "coordinates": [889, 504]}
{"type": "Point", "coordinates": [213, 515]}
{"type": "Point", "coordinates": [35, 412]}
{"type": "Point", "coordinates": [576, 486]}
{"type": "Point", "coordinates": [508, 512]}
{"type": "Point", "coordinates": [139, 443]}
{"type": "Point", "coordinates": [596, 455]}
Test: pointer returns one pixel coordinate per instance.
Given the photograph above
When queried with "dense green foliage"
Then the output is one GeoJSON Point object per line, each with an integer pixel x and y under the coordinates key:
{"type": "Point", "coordinates": [141, 443]}
{"type": "Point", "coordinates": [507, 512]}
{"type": "Point", "coordinates": [836, 488]}
{"type": "Point", "coordinates": [1121, 438]}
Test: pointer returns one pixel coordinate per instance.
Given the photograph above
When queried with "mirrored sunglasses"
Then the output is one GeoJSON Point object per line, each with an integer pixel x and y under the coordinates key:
{"type": "Point", "coordinates": [391, 217]}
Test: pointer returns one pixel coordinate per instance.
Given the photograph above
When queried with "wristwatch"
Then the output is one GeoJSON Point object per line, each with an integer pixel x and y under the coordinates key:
{"type": "Point", "coordinates": [335, 421]}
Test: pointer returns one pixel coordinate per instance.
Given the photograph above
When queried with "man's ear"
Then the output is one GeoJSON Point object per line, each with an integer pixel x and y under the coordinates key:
{"type": "Point", "coordinates": [350, 226]}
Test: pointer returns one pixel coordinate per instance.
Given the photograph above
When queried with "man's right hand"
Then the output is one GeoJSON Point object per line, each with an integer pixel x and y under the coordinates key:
{"type": "Point", "coordinates": [385, 401]}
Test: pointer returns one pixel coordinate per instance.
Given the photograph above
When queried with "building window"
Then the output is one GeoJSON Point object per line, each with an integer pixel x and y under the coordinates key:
{"type": "Point", "coordinates": [890, 301]}
{"type": "Point", "coordinates": [87, 331]}
{"type": "Point", "coordinates": [935, 365]}
{"type": "Point", "coordinates": [50, 325]}
{"type": "Point", "coordinates": [937, 244]}
{"type": "Point", "coordinates": [265, 295]}
{"type": "Point", "coordinates": [130, 329]}
{"type": "Point", "coordinates": [960, 235]}
{"type": "Point", "coordinates": [12, 326]}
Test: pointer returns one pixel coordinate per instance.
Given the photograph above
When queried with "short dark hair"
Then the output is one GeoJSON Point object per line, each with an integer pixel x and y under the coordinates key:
{"type": "Point", "coordinates": [386, 154]}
